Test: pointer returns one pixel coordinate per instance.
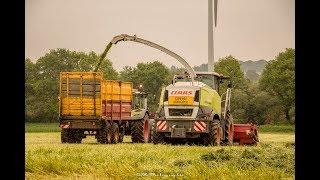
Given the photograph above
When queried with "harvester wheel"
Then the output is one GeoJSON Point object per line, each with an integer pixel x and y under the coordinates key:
{"type": "Point", "coordinates": [115, 133]}
{"type": "Point", "coordinates": [156, 137]}
{"type": "Point", "coordinates": [214, 135]}
{"type": "Point", "coordinates": [138, 130]}
{"type": "Point", "coordinates": [148, 139]}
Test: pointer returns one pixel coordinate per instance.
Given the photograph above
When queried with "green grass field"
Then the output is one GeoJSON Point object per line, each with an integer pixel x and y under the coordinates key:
{"type": "Point", "coordinates": [47, 158]}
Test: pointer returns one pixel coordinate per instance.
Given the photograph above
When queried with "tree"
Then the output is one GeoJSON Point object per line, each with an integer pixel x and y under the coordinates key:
{"type": "Point", "coordinates": [153, 76]}
{"type": "Point", "coordinates": [278, 78]}
{"type": "Point", "coordinates": [239, 102]}
{"type": "Point", "coordinates": [255, 106]}
{"type": "Point", "coordinates": [42, 80]}
{"type": "Point", "coordinates": [229, 66]}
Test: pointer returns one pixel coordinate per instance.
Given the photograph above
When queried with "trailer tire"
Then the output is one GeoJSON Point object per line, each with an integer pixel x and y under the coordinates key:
{"type": "Point", "coordinates": [121, 138]}
{"type": "Point", "coordinates": [100, 135]}
{"type": "Point", "coordinates": [121, 134]}
{"type": "Point", "coordinates": [105, 134]}
{"type": "Point", "coordinates": [77, 136]}
{"type": "Point", "coordinates": [109, 133]}
{"type": "Point", "coordinates": [156, 137]}
{"type": "Point", "coordinates": [137, 129]}
{"type": "Point", "coordinates": [115, 133]}
{"type": "Point", "coordinates": [65, 136]}
{"type": "Point", "coordinates": [214, 135]}
{"type": "Point", "coordinates": [71, 136]}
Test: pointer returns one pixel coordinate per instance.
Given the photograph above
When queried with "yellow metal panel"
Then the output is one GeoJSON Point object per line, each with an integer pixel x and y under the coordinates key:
{"type": "Point", "coordinates": [116, 91]}
{"type": "Point", "coordinates": [79, 103]}
{"type": "Point", "coordinates": [180, 100]}
{"type": "Point", "coordinates": [210, 98]}
{"type": "Point", "coordinates": [78, 112]}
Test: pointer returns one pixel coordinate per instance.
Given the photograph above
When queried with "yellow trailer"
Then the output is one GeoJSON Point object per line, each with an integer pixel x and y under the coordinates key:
{"type": "Point", "coordinates": [91, 105]}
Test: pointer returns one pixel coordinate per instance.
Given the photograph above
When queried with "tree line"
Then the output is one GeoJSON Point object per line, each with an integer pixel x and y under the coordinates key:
{"type": "Point", "coordinates": [266, 101]}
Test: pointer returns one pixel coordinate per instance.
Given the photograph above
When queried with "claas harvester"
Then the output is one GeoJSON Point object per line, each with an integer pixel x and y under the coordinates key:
{"type": "Point", "coordinates": [192, 110]}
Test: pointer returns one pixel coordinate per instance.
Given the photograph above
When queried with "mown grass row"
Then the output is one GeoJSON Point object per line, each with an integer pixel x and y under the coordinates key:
{"type": "Point", "coordinates": [54, 127]}
{"type": "Point", "coordinates": [47, 158]}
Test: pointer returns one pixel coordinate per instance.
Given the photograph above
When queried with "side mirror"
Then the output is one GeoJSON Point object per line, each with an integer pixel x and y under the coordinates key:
{"type": "Point", "coordinates": [230, 84]}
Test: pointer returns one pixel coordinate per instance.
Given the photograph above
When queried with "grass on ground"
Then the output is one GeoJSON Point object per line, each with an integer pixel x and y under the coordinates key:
{"type": "Point", "coordinates": [47, 158]}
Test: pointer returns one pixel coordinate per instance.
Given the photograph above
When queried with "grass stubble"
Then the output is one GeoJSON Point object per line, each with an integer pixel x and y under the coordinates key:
{"type": "Point", "coordinates": [47, 158]}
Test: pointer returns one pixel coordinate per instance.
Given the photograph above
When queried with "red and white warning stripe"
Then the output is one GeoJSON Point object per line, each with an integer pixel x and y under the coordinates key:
{"type": "Point", "coordinates": [64, 125]}
{"type": "Point", "coordinates": [199, 126]}
{"type": "Point", "coordinates": [162, 125]}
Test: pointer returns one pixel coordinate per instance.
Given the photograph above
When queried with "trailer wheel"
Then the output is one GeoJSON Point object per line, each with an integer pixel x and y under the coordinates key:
{"type": "Point", "coordinates": [115, 133]}
{"type": "Point", "coordinates": [74, 136]}
{"type": "Point", "coordinates": [100, 136]}
{"type": "Point", "coordinates": [121, 134]}
{"type": "Point", "coordinates": [109, 133]}
{"type": "Point", "coordinates": [105, 134]}
{"type": "Point", "coordinates": [214, 135]}
{"type": "Point", "coordinates": [65, 136]}
{"type": "Point", "coordinates": [78, 134]}
{"type": "Point", "coordinates": [156, 137]}
{"type": "Point", "coordinates": [138, 130]}
{"type": "Point", "coordinates": [71, 136]}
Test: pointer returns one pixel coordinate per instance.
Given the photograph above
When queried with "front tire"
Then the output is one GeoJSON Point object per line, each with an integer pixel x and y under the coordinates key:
{"type": "Point", "coordinates": [156, 137]}
{"type": "Point", "coordinates": [213, 138]}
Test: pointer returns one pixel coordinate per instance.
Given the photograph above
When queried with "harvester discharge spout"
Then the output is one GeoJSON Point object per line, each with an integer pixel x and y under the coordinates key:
{"type": "Point", "coordinates": [125, 37]}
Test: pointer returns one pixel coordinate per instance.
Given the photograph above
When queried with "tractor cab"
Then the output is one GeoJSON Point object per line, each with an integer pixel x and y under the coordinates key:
{"type": "Point", "coordinates": [139, 102]}
{"type": "Point", "coordinates": [139, 99]}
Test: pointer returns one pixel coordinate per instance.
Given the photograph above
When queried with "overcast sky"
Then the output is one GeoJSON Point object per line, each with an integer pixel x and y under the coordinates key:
{"type": "Point", "coordinates": [247, 29]}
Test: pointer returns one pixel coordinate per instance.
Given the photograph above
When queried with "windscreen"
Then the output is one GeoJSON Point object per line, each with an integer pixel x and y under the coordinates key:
{"type": "Point", "coordinates": [208, 80]}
